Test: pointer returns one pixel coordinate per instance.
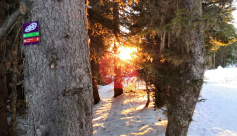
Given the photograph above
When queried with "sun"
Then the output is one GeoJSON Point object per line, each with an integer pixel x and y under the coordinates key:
{"type": "Point", "coordinates": [126, 53]}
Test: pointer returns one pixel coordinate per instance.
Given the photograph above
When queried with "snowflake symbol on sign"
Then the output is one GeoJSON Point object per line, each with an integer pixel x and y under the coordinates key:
{"type": "Point", "coordinates": [31, 27]}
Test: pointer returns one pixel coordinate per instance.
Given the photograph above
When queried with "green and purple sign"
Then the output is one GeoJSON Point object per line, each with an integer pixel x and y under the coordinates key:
{"type": "Point", "coordinates": [31, 33]}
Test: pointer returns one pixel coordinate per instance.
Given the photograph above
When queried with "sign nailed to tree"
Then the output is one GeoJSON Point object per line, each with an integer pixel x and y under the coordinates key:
{"type": "Point", "coordinates": [31, 33]}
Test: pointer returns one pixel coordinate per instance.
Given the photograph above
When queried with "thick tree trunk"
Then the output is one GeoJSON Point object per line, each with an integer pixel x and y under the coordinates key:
{"type": "Point", "coordinates": [57, 71]}
{"type": "Point", "coordinates": [3, 89]}
{"type": "Point", "coordinates": [180, 113]}
{"type": "Point", "coordinates": [181, 109]}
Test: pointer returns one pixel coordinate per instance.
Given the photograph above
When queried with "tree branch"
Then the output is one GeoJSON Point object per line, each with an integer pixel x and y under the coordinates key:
{"type": "Point", "coordinates": [24, 6]}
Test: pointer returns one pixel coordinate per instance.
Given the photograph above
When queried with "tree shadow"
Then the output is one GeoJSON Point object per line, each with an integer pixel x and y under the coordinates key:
{"type": "Point", "coordinates": [126, 115]}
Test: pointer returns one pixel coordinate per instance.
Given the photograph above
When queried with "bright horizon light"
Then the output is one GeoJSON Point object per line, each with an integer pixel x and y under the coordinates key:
{"type": "Point", "coordinates": [126, 53]}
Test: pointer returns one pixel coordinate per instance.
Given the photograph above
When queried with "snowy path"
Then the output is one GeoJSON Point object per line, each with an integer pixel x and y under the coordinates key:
{"type": "Point", "coordinates": [126, 115]}
{"type": "Point", "coordinates": [217, 116]}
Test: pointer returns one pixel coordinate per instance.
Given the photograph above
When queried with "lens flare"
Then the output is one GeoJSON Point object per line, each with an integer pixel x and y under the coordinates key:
{"type": "Point", "coordinates": [127, 53]}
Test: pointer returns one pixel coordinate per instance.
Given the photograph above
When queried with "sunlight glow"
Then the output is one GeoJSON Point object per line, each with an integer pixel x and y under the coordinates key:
{"type": "Point", "coordinates": [97, 125]}
{"type": "Point", "coordinates": [104, 108]}
{"type": "Point", "coordinates": [127, 117]}
{"type": "Point", "coordinates": [103, 116]}
{"type": "Point", "coordinates": [142, 133]}
{"type": "Point", "coordinates": [143, 127]}
{"type": "Point", "coordinates": [140, 98]}
{"type": "Point", "coordinates": [132, 109]}
{"type": "Point", "coordinates": [94, 131]}
{"type": "Point", "coordinates": [103, 111]}
{"type": "Point", "coordinates": [127, 123]}
{"type": "Point", "coordinates": [162, 123]}
{"type": "Point", "coordinates": [127, 53]}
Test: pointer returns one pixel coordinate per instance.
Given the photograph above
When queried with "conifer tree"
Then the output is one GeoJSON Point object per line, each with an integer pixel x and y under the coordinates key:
{"type": "Point", "coordinates": [57, 71]}
{"type": "Point", "coordinates": [172, 33]}
{"type": "Point", "coordinates": [174, 39]}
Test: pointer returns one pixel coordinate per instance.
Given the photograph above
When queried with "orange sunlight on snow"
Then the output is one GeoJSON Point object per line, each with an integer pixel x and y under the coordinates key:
{"type": "Point", "coordinates": [130, 105]}
{"type": "Point", "coordinates": [162, 123]}
{"type": "Point", "coordinates": [142, 133]}
{"type": "Point", "coordinates": [103, 112]}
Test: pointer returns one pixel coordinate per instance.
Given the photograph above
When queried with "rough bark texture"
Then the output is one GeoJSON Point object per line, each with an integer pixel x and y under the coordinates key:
{"type": "Point", "coordinates": [3, 90]}
{"type": "Point", "coordinates": [57, 71]}
{"type": "Point", "coordinates": [181, 110]}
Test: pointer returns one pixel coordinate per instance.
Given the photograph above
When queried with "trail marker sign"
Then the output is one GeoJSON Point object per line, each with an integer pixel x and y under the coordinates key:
{"type": "Point", "coordinates": [31, 33]}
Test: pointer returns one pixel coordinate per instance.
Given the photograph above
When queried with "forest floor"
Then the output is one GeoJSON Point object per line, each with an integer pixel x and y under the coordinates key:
{"type": "Point", "coordinates": [217, 115]}
{"type": "Point", "coordinates": [126, 115]}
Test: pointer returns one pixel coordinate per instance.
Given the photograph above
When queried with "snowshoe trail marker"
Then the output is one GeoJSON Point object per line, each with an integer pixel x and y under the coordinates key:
{"type": "Point", "coordinates": [31, 33]}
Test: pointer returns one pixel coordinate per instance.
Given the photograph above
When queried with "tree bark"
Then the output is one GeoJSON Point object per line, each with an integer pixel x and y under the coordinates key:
{"type": "Point", "coordinates": [96, 95]}
{"type": "Point", "coordinates": [181, 109]}
{"type": "Point", "coordinates": [57, 71]}
{"type": "Point", "coordinates": [3, 89]}
{"type": "Point", "coordinates": [95, 91]}
{"type": "Point", "coordinates": [118, 86]}
{"type": "Point", "coordinates": [147, 91]}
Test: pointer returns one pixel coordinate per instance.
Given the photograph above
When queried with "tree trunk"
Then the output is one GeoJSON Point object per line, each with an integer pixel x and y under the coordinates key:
{"type": "Point", "coordinates": [95, 91]}
{"type": "Point", "coordinates": [118, 86]}
{"type": "Point", "coordinates": [147, 91]}
{"type": "Point", "coordinates": [159, 98]}
{"type": "Point", "coordinates": [148, 98]}
{"type": "Point", "coordinates": [181, 109]}
{"type": "Point", "coordinates": [57, 71]}
{"type": "Point", "coordinates": [94, 82]}
{"type": "Point", "coordinates": [3, 89]}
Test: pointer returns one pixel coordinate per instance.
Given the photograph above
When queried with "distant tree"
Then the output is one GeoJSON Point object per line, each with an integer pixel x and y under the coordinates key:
{"type": "Point", "coordinates": [57, 71]}
{"type": "Point", "coordinates": [104, 31]}
{"type": "Point", "coordinates": [218, 30]}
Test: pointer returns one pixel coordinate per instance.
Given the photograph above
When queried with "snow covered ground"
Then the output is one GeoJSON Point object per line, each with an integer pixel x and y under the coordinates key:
{"type": "Point", "coordinates": [126, 115]}
{"type": "Point", "coordinates": [217, 116]}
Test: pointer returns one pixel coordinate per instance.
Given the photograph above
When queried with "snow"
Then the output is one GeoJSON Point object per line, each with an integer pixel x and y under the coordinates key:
{"type": "Point", "coordinates": [126, 115]}
{"type": "Point", "coordinates": [217, 115]}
